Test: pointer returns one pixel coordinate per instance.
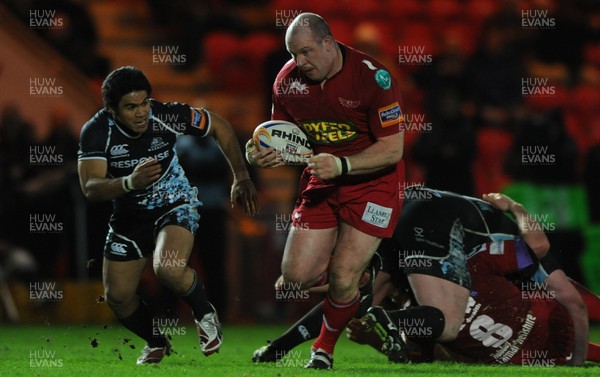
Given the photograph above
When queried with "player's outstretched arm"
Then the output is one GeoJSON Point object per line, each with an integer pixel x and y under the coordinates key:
{"type": "Point", "coordinates": [96, 186]}
{"type": "Point", "coordinates": [566, 294]}
{"type": "Point", "coordinates": [243, 191]}
{"type": "Point", "coordinates": [531, 231]}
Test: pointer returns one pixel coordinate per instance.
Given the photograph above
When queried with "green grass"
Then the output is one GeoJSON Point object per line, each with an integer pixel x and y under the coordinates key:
{"type": "Point", "coordinates": [68, 351]}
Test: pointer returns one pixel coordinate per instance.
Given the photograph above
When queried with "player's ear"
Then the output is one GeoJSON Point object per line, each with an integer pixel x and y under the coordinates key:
{"type": "Point", "coordinates": [328, 42]}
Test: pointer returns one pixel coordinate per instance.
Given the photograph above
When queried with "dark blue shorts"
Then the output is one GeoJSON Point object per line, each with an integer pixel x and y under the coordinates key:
{"type": "Point", "coordinates": [446, 260]}
{"type": "Point", "coordinates": [131, 238]}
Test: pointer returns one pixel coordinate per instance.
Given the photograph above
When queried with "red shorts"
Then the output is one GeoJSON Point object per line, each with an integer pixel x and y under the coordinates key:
{"type": "Point", "coordinates": [369, 204]}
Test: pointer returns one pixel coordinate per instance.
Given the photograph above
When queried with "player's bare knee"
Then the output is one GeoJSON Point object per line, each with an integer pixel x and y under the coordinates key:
{"type": "Point", "coordinates": [294, 278]}
{"type": "Point", "coordinates": [173, 277]}
{"type": "Point", "coordinates": [342, 285]}
{"type": "Point", "coordinates": [119, 300]}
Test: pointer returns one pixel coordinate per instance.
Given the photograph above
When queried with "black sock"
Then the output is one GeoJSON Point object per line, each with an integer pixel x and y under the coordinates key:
{"type": "Point", "coordinates": [365, 303]}
{"type": "Point", "coordinates": [196, 299]}
{"type": "Point", "coordinates": [307, 327]}
{"type": "Point", "coordinates": [424, 322]}
{"type": "Point", "coordinates": [140, 322]}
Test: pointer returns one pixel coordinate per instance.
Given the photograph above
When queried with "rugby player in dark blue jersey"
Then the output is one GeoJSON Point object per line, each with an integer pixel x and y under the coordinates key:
{"type": "Point", "coordinates": [127, 155]}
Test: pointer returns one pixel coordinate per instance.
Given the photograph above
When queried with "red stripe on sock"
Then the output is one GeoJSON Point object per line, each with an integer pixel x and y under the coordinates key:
{"type": "Point", "coordinates": [591, 300]}
{"type": "Point", "coordinates": [593, 352]}
{"type": "Point", "coordinates": [335, 318]}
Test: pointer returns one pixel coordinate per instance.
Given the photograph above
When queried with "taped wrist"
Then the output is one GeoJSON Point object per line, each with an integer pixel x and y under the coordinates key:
{"type": "Point", "coordinates": [127, 183]}
{"type": "Point", "coordinates": [343, 165]}
{"type": "Point", "coordinates": [346, 167]}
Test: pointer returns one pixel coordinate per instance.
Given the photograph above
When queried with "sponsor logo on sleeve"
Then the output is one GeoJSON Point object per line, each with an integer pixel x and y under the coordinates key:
{"type": "Point", "coordinates": [383, 79]}
{"type": "Point", "coordinates": [198, 118]}
{"type": "Point", "coordinates": [390, 115]}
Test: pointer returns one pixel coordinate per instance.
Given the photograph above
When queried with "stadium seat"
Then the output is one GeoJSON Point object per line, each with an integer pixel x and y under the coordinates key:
{"type": "Point", "coordinates": [585, 99]}
{"type": "Point", "coordinates": [592, 53]}
{"type": "Point", "coordinates": [559, 99]}
{"type": "Point", "coordinates": [228, 62]}
{"type": "Point", "coordinates": [479, 10]}
{"type": "Point", "coordinates": [341, 29]}
{"type": "Point", "coordinates": [440, 12]}
{"type": "Point", "coordinates": [257, 46]}
{"type": "Point", "coordinates": [492, 148]}
{"type": "Point", "coordinates": [366, 10]}
{"type": "Point", "coordinates": [405, 10]}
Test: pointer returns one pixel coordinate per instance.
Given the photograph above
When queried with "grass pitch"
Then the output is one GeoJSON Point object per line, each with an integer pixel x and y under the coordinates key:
{"type": "Point", "coordinates": [112, 351]}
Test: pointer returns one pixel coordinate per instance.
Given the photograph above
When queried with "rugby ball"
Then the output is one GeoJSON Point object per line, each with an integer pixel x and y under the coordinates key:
{"type": "Point", "coordinates": [285, 137]}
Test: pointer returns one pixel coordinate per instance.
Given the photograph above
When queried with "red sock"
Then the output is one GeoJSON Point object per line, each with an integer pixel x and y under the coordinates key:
{"type": "Point", "coordinates": [593, 352]}
{"type": "Point", "coordinates": [591, 301]}
{"type": "Point", "coordinates": [335, 318]}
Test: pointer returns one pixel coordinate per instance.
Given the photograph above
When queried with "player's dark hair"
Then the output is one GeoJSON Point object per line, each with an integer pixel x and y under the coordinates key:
{"type": "Point", "coordinates": [122, 81]}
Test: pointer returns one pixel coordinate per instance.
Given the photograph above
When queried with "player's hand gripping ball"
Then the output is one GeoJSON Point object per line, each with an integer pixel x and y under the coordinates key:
{"type": "Point", "coordinates": [286, 138]}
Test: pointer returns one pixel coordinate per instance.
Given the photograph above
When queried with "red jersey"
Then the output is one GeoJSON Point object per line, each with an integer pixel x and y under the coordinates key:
{"type": "Point", "coordinates": [506, 325]}
{"type": "Point", "coordinates": [356, 106]}
{"type": "Point", "coordinates": [344, 116]}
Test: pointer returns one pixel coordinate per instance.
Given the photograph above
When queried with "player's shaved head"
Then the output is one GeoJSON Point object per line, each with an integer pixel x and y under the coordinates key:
{"type": "Point", "coordinates": [308, 22]}
{"type": "Point", "coordinates": [313, 48]}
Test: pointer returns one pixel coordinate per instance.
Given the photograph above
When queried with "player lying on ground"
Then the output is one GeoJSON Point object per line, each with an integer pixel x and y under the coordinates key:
{"type": "Point", "coordinates": [528, 320]}
{"type": "Point", "coordinates": [417, 249]}
{"type": "Point", "coordinates": [503, 324]}
{"type": "Point", "coordinates": [290, 338]}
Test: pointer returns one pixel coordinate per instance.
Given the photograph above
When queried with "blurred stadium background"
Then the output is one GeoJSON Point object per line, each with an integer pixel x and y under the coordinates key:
{"type": "Point", "coordinates": [498, 96]}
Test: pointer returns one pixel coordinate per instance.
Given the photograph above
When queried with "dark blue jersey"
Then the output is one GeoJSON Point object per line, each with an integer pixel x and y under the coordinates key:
{"type": "Point", "coordinates": [102, 138]}
{"type": "Point", "coordinates": [439, 229]}
{"type": "Point", "coordinates": [428, 216]}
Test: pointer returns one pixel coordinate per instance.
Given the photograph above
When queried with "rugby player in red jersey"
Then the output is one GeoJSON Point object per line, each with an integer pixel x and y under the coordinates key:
{"type": "Point", "coordinates": [350, 108]}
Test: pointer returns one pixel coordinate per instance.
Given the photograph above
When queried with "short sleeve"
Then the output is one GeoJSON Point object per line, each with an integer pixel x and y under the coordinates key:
{"type": "Point", "coordinates": [182, 119]}
{"type": "Point", "coordinates": [92, 141]}
{"type": "Point", "coordinates": [385, 111]}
